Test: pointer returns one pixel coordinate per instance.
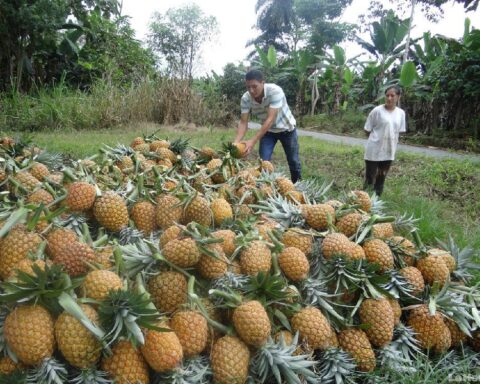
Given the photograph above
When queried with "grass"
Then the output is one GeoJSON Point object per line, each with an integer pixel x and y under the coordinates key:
{"type": "Point", "coordinates": [444, 195]}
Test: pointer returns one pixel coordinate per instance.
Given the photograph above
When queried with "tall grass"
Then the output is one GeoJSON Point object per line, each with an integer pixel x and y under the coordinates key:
{"type": "Point", "coordinates": [164, 101]}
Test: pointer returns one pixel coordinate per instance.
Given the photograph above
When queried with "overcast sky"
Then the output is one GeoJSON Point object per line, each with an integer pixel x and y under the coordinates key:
{"type": "Point", "coordinates": [237, 17]}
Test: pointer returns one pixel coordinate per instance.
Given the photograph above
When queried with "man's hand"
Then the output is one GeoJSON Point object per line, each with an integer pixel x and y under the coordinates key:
{"type": "Point", "coordinates": [249, 144]}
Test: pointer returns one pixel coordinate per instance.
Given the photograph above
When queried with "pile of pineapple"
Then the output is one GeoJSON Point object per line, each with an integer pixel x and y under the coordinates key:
{"type": "Point", "coordinates": [160, 262]}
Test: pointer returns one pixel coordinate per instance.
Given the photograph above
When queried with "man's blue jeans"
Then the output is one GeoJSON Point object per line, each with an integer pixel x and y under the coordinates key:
{"type": "Point", "coordinates": [289, 142]}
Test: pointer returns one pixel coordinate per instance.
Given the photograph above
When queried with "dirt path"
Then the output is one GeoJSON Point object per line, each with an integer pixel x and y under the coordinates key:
{"type": "Point", "coordinates": [427, 151]}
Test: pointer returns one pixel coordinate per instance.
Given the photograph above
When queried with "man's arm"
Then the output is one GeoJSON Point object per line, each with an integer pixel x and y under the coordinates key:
{"type": "Point", "coordinates": [242, 127]}
{"type": "Point", "coordinates": [271, 118]}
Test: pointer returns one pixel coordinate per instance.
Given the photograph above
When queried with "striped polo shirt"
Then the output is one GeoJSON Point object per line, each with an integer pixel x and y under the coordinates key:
{"type": "Point", "coordinates": [274, 98]}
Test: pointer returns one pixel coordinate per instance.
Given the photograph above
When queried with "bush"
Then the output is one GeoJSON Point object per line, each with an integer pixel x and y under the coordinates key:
{"type": "Point", "coordinates": [346, 122]}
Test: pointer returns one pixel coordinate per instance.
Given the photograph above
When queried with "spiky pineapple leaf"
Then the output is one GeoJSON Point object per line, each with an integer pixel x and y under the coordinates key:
{"type": "Point", "coordinates": [195, 370]}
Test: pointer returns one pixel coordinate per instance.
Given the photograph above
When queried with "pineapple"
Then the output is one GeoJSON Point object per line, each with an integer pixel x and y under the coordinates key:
{"type": "Point", "coordinates": [168, 211]}
{"type": "Point", "coordinates": [255, 258]}
{"type": "Point", "coordinates": [405, 249]}
{"type": "Point", "coordinates": [415, 278]}
{"type": "Point", "coordinates": [191, 329]}
{"type": "Point", "coordinates": [162, 350]}
{"type": "Point", "coordinates": [431, 330]}
{"type": "Point", "coordinates": [165, 153]}
{"type": "Point", "coordinates": [77, 344]}
{"type": "Point", "coordinates": [293, 237]}
{"type": "Point", "coordinates": [355, 342]}
{"type": "Point", "coordinates": [26, 180]}
{"type": "Point", "coordinates": [382, 230]}
{"type": "Point", "coordinates": [284, 185]}
{"type": "Point", "coordinates": [80, 196]}
{"type": "Point", "coordinates": [378, 315]}
{"type": "Point", "coordinates": [26, 265]}
{"type": "Point", "coordinates": [198, 210]}
{"type": "Point", "coordinates": [8, 366]}
{"type": "Point", "coordinates": [266, 166]}
{"type": "Point", "coordinates": [363, 199]}
{"type": "Point", "coordinates": [434, 270]}
{"type": "Point", "coordinates": [75, 258]}
{"type": "Point", "coordinates": [349, 224]}
{"type": "Point", "coordinates": [58, 239]}
{"type": "Point", "coordinates": [170, 233]}
{"type": "Point", "coordinates": [397, 310]}
{"type": "Point", "coordinates": [184, 253]}
{"type": "Point", "coordinates": [207, 152]}
{"type": "Point", "coordinates": [336, 244]}
{"type": "Point", "coordinates": [15, 247]}
{"type": "Point", "coordinates": [98, 283]}
{"type": "Point", "coordinates": [230, 358]}
{"type": "Point", "coordinates": [136, 142]}
{"type": "Point", "coordinates": [29, 332]}
{"type": "Point", "coordinates": [294, 264]}
{"type": "Point", "coordinates": [168, 291]}
{"type": "Point", "coordinates": [252, 323]}
{"type": "Point", "coordinates": [212, 267]}
{"type": "Point", "coordinates": [40, 196]}
{"type": "Point", "coordinates": [143, 214]}
{"type": "Point", "coordinates": [313, 327]}
{"type": "Point", "coordinates": [448, 259]}
{"type": "Point", "coordinates": [126, 364]}
{"type": "Point", "coordinates": [111, 211]}
{"type": "Point", "coordinates": [39, 171]}
{"type": "Point", "coordinates": [154, 145]}
{"type": "Point", "coordinates": [228, 237]}
{"type": "Point", "coordinates": [377, 251]}
{"type": "Point", "coordinates": [458, 338]}
{"type": "Point", "coordinates": [221, 210]}
{"type": "Point", "coordinates": [318, 216]}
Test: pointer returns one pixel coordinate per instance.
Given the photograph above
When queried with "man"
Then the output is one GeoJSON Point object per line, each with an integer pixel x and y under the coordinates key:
{"type": "Point", "coordinates": [267, 102]}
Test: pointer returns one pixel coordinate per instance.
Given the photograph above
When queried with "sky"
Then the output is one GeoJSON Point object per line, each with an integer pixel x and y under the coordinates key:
{"type": "Point", "coordinates": [236, 21]}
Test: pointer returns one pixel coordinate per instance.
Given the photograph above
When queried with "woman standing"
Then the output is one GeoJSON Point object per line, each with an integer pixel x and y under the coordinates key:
{"type": "Point", "coordinates": [383, 126]}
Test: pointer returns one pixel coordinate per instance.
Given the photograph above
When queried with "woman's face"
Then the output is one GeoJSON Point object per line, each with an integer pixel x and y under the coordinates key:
{"type": "Point", "coordinates": [391, 98]}
{"type": "Point", "coordinates": [255, 88]}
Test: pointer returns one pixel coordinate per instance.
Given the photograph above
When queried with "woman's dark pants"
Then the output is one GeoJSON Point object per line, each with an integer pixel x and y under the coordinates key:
{"type": "Point", "coordinates": [375, 174]}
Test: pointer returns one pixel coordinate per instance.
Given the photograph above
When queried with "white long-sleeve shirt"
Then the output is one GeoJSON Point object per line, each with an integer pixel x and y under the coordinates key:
{"type": "Point", "coordinates": [384, 127]}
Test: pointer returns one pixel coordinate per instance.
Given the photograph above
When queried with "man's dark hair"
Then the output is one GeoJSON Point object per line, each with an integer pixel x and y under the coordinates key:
{"type": "Point", "coordinates": [396, 88]}
{"type": "Point", "coordinates": [254, 74]}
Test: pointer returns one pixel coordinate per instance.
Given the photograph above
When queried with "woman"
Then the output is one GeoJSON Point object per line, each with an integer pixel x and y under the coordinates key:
{"type": "Point", "coordinates": [383, 126]}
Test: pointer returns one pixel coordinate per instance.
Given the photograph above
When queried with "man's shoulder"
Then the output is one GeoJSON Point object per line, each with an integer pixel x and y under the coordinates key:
{"type": "Point", "coordinates": [273, 88]}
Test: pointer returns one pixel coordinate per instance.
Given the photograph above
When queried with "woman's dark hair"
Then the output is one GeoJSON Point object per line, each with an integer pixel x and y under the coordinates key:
{"type": "Point", "coordinates": [396, 88]}
{"type": "Point", "coordinates": [254, 74]}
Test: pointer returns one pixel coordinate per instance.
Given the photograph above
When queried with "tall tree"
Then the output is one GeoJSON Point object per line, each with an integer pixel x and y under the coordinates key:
{"type": "Point", "coordinates": [289, 24]}
{"type": "Point", "coordinates": [178, 36]}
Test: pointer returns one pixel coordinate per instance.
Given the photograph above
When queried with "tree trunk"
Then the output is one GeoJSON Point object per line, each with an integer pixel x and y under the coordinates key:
{"type": "Point", "coordinates": [407, 42]}
{"type": "Point", "coordinates": [315, 95]}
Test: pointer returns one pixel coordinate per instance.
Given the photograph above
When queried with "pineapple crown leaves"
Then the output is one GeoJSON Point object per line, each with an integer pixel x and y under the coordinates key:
{"type": "Point", "coordinates": [267, 288]}
{"type": "Point", "coordinates": [314, 293]}
{"type": "Point", "coordinates": [50, 159]}
{"type": "Point", "coordinates": [18, 377]}
{"type": "Point", "coordinates": [464, 257]}
{"type": "Point", "coordinates": [141, 256]}
{"type": "Point", "coordinates": [44, 287]}
{"type": "Point", "coordinates": [116, 153]}
{"type": "Point", "coordinates": [281, 210]}
{"type": "Point", "coordinates": [179, 145]}
{"type": "Point", "coordinates": [229, 281]}
{"type": "Point", "coordinates": [400, 251]}
{"type": "Point", "coordinates": [313, 191]}
{"type": "Point", "coordinates": [397, 286]}
{"type": "Point", "coordinates": [336, 366]}
{"type": "Point", "coordinates": [129, 235]}
{"type": "Point", "coordinates": [277, 362]}
{"type": "Point", "coordinates": [405, 223]}
{"type": "Point", "coordinates": [90, 376]}
{"type": "Point", "coordinates": [365, 228]}
{"type": "Point", "coordinates": [195, 370]}
{"type": "Point", "coordinates": [124, 313]}
{"type": "Point", "coordinates": [391, 358]}
{"type": "Point", "coordinates": [406, 343]}
{"type": "Point", "coordinates": [50, 371]}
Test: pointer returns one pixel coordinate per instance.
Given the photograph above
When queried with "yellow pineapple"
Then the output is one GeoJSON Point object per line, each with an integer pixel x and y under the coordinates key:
{"type": "Point", "coordinates": [162, 350]}
{"type": "Point", "coordinates": [382, 230]}
{"type": "Point", "coordinates": [379, 318]}
{"type": "Point", "coordinates": [294, 264]}
{"type": "Point", "coordinates": [363, 199]}
{"type": "Point", "coordinates": [8, 366]}
{"type": "Point", "coordinates": [170, 233]}
{"type": "Point", "coordinates": [431, 331]}
{"type": "Point", "coordinates": [230, 359]}
{"type": "Point", "coordinates": [266, 166]}
{"type": "Point", "coordinates": [98, 283]}
{"type": "Point", "coordinates": [143, 214]}
{"type": "Point", "coordinates": [406, 249]}
{"type": "Point", "coordinates": [80, 196]}
{"type": "Point", "coordinates": [252, 323]}
{"type": "Point", "coordinates": [126, 364]}
{"type": "Point", "coordinates": [168, 211]}
{"type": "Point", "coordinates": [168, 291]}
{"type": "Point", "coordinates": [75, 258]}
{"type": "Point", "coordinates": [433, 269]}
{"type": "Point", "coordinates": [191, 329]}
{"type": "Point", "coordinates": [318, 216]}
{"type": "Point", "coordinates": [183, 253]}
{"type": "Point", "coordinates": [111, 211]}
{"type": "Point", "coordinates": [154, 145]}
{"type": "Point", "coordinates": [458, 338]}
{"type": "Point", "coordinates": [228, 237]}
{"type": "Point", "coordinates": [355, 342]}
{"type": "Point", "coordinates": [222, 210]}
{"type": "Point", "coordinates": [198, 210]}
{"type": "Point", "coordinates": [348, 224]}
{"type": "Point", "coordinates": [211, 267]}
{"type": "Point", "coordinates": [293, 237]}
{"type": "Point", "coordinates": [336, 244]}
{"type": "Point", "coordinates": [58, 239]}
{"type": "Point", "coordinates": [29, 332]}
{"type": "Point", "coordinates": [378, 252]}
{"type": "Point", "coordinates": [415, 278]}
{"type": "Point", "coordinates": [39, 171]}
{"type": "Point", "coordinates": [397, 310]}
{"type": "Point", "coordinates": [77, 344]}
{"type": "Point", "coordinates": [15, 247]}
{"type": "Point", "coordinates": [284, 185]}
{"type": "Point", "coordinates": [313, 327]}
{"type": "Point", "coordinates": [448, 259]}
{"type": "Point", "coordinates": [255, 258]}
{"type": "Point", "coordinates": [40, 196]}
